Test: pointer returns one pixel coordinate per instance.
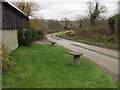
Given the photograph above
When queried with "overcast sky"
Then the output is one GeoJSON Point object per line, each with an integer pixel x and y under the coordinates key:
{"type": "Point", "coordinates": [58, 9]}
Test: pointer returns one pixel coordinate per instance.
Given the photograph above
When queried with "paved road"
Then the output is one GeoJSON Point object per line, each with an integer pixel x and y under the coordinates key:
{"type": "Point", "coordinates": [105, 58]}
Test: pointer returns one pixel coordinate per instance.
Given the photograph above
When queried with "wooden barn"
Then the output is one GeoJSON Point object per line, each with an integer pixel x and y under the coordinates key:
{"type": "Point", "coordinates": [11, 19]}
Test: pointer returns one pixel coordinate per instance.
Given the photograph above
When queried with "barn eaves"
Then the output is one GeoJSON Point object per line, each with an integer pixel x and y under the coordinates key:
{"type": "Point", "coordinates": [13, 6]}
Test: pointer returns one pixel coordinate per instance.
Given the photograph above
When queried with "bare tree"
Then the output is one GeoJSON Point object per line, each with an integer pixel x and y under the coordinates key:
{"type": "Point", "coordinates": [27, 7]}
{"type": "Point", "coordinates": [95, 9]}
{"type": "Point", "coordinates": [79, 21]}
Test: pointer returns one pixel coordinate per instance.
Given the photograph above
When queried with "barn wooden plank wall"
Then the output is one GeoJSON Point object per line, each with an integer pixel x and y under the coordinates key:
{"type": "Point", "coordinates": [0, 15]}
{"type": "Point", "coordinates": [12, 18]}
{"type": "Point", "coordinates": [0, 43]}
{"type": "Point", "coordinates": [0, 28]}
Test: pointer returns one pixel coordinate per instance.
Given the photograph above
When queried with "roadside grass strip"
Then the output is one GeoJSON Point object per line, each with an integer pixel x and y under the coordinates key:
{"type": "Point", "coordinates": [89, 41]}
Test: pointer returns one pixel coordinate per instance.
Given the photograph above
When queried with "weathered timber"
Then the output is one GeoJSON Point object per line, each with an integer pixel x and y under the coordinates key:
{"type": "Point", "coordinates": [12, 18]}
{"type": "Point", "coordinates": [0, 15]}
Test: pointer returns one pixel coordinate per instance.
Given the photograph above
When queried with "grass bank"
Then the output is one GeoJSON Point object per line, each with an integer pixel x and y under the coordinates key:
{"type": "Point", "coordinates": [88, 41]}
{"type": "Point", "coordinates": [43, 66]}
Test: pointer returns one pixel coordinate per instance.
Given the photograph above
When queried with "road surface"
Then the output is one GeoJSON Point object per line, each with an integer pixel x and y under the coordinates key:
{"type": "Point", "coordinates": [104, 58]}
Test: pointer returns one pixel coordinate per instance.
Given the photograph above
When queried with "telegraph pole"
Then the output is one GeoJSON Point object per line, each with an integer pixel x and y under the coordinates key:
{"type": "Point", "coordinates": [119, 7]}
{"type": "Point", "coordinates": [119, 18]}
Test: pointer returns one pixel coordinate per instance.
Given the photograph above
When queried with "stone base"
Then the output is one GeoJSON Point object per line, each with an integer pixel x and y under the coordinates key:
{"type": "Point", "coordinates": [76, 60]}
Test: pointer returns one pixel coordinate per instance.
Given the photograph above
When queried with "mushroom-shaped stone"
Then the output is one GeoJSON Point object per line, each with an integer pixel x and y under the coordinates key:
{"type": "Point", "coordinates": [53, 43]}
{"type": "Point", "coordinates": [76, 55]}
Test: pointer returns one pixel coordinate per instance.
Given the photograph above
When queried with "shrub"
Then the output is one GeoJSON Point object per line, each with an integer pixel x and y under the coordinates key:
{"type": "Point", "coordinates": [40, 35]}
{"type": "Point", "coordinates": [112, 39]}
{"type": "Point", "coordinates": [112, 21]}
{"type": "Point", "coordinates": [6, 59]}
{"type": "Point", "coordinates": [27, 36]}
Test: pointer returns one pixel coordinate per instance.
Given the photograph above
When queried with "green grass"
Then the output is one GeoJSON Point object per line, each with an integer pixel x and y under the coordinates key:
{"type": "Point", "coordinates": [88, 41]}
{"type": "Point", "coordinates": [44, 66]}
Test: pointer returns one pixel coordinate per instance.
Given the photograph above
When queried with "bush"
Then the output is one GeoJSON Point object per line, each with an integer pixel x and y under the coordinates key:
{"type": "Point", "coordinates": [112, 39]}
{"type": "Point", "coordinates": [6, 59]}
{"type": "Point", "coordinates": [27, 36]}
{"type": "Point", "coordinates": [40, 35]}
{"type": "Point", "coordinates": [112, 21]}
{"type": "Point", "coordinates": [21, 37]}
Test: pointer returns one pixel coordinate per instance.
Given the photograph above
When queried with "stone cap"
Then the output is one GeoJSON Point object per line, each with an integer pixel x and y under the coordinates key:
{"type": "Point", "coordinates": [52, 42]}
{"type": "Point", "coordinates": [76, 53]}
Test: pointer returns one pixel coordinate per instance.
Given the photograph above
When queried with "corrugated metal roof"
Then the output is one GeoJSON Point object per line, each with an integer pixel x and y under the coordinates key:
{"type": "Point", "coordinates": [11, 4]}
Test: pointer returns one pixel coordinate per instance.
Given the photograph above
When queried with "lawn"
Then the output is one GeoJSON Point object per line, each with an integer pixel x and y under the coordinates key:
{"type": "Point", "coordinates": [44, 66]}
{"type": "Point", "coordinates": [89, 41]}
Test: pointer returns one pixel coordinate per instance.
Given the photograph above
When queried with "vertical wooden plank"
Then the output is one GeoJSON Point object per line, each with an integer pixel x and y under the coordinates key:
{"type": "Point", "coordinates": [12, 19]}
{"type": "Point", "coordinates": [1, 16]}
{"type": "Point", "coordinates": [0, 43]}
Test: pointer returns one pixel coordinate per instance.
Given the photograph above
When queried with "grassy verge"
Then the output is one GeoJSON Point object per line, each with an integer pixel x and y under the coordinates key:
{"type": "Point", "coordinates": [43, 66]}
{"type": "Point", "coordinates": [89, 41]}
